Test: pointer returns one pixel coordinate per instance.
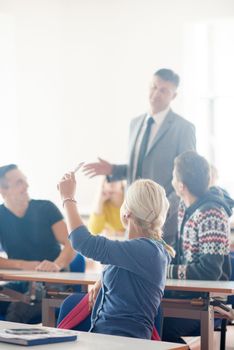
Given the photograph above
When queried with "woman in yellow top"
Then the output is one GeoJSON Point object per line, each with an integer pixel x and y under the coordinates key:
{"type": "Point", "coordinates": [106, 215]}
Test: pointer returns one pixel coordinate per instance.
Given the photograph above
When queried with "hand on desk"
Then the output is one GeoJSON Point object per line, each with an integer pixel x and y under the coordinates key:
{"type": "Point", "coordinates": [93, 294]}
{"type": "Point", "coordinates": [48, 266]}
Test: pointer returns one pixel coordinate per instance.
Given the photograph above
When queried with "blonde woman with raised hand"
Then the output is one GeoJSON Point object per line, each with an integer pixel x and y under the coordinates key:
{"type": "Point", "coordinates": [132, 284]}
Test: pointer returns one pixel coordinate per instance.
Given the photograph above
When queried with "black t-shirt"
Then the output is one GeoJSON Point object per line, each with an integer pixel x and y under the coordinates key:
{"type": "Point", "coordinates": [30, 237]}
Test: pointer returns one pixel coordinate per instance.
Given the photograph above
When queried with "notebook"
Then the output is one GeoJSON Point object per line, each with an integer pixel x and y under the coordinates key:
{"type": "Point", "coordinates": [36, 336]}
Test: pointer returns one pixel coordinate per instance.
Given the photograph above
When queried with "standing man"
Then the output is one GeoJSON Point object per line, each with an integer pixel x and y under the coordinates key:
{"type": "Point", "coordinates": [31, 234]}
{"type": "Point", "coordinates": [156, 139]}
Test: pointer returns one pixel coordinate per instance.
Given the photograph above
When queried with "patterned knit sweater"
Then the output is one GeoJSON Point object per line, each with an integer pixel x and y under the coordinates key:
{"type": "Point", "coordinates": [203, 244]}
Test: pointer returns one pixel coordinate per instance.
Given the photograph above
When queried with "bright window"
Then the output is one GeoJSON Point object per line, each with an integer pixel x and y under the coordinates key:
{"type": "Point", "coordinates": [209, 93]}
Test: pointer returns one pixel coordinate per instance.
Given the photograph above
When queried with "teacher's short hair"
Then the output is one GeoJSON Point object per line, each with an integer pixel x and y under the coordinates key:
{"type": "Point", "coordinates": [168, 75]}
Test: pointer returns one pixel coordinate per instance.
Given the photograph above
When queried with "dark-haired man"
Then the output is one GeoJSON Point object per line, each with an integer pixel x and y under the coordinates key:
{"type": "Point", "coordinates": [203, 227]}
{"type": "Point", "coordinates": [31, 231]}
{"type": "Point", "coordinates": [156, 138]}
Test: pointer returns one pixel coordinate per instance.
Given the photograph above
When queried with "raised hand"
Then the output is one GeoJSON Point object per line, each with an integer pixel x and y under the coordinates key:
{"type": "Point", "coordinates": [102, 167]}
{"type": "Point", "coordinates": [67, 186]}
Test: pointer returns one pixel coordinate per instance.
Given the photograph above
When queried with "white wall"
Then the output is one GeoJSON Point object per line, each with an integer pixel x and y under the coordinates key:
{"type": "Point", "coordinates": [73, 74]}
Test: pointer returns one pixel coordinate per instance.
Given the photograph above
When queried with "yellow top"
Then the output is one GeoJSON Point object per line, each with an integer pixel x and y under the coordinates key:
{"type": "Point", "coordinates": [109, 220]}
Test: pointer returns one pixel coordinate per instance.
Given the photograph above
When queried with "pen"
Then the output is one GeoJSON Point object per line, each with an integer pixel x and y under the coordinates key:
{"type": "Point", "coordinates": [78, 167]}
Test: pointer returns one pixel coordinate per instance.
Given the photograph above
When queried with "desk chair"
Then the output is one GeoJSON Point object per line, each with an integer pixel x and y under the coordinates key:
{"type": "Point", "coordinates": [231, 298]}
{"type": "Point", "coordinates": [68, 305]}
{"type": "Point", "coordinates": [226, 314]}
{"type": "Point", "coordinates": [78, 263]}
{"type": "Point", "coordinates": [158, 322]}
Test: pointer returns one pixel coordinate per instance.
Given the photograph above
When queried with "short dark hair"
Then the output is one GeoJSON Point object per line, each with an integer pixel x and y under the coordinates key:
{"type": "Point", "coordinates": [3, 171]}
{"type": "Point", "coordinates": [193, 171]}
{"type": "Point", "coordinates": [168, 75]}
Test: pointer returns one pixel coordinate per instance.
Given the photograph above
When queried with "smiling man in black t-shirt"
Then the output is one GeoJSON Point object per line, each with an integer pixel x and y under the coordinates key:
{"type": "Point", "coordinates": [31, 231]}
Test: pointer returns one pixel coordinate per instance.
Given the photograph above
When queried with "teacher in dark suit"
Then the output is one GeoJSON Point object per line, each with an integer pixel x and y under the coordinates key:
{"type": "Point", "coordinates": [156, 139]}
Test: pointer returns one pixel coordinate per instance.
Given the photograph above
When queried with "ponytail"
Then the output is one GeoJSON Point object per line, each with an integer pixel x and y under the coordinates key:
{"type": "Point", "coordinates": [147, 202]}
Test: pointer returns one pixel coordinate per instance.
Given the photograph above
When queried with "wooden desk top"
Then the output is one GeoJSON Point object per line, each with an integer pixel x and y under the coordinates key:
{"type": "Point", "coordinates": [50, 277]}
{"type": "Point", "coordinates": [91, 341]}
{"type": "Point", "coordinates": [222, 287]}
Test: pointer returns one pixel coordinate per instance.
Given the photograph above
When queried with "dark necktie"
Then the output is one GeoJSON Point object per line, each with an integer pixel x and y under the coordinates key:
{"type": "Point", "coordinates": [143, 147]}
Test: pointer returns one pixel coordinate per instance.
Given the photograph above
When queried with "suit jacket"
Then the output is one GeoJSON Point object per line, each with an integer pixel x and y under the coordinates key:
{"type": "Point", "coordinates": [175, 136]}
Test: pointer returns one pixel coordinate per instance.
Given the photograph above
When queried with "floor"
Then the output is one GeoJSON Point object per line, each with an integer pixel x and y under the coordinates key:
{"type": "Point", "coordinates": [194, 343]}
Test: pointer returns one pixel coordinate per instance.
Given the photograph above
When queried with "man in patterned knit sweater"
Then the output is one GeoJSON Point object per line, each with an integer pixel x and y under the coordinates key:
{"type": "Point", "coordinates": [203, 233]}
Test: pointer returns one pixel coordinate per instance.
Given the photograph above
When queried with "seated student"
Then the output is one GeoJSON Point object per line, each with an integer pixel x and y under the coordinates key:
{"type": "Point", "coordinates": [106, 215]}
{"type": "Point", "coordinates": [31, 234]}
{"type": "Point", "coordinates": [133, 282]}
{"type": "Point", "coordinates": [203, 229]}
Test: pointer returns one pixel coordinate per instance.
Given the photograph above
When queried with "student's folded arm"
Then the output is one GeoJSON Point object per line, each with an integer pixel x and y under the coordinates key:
{"type": "Point", "coordinates": [67, 253]}
{"type": "Point", "coordinates": [208, 267]}
{"type": "Point", "coordinates": [17, 264]}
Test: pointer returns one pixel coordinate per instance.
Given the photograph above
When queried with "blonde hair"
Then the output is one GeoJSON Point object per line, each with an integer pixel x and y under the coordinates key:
{"type": "Point", "coordinates": [147, 202]}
